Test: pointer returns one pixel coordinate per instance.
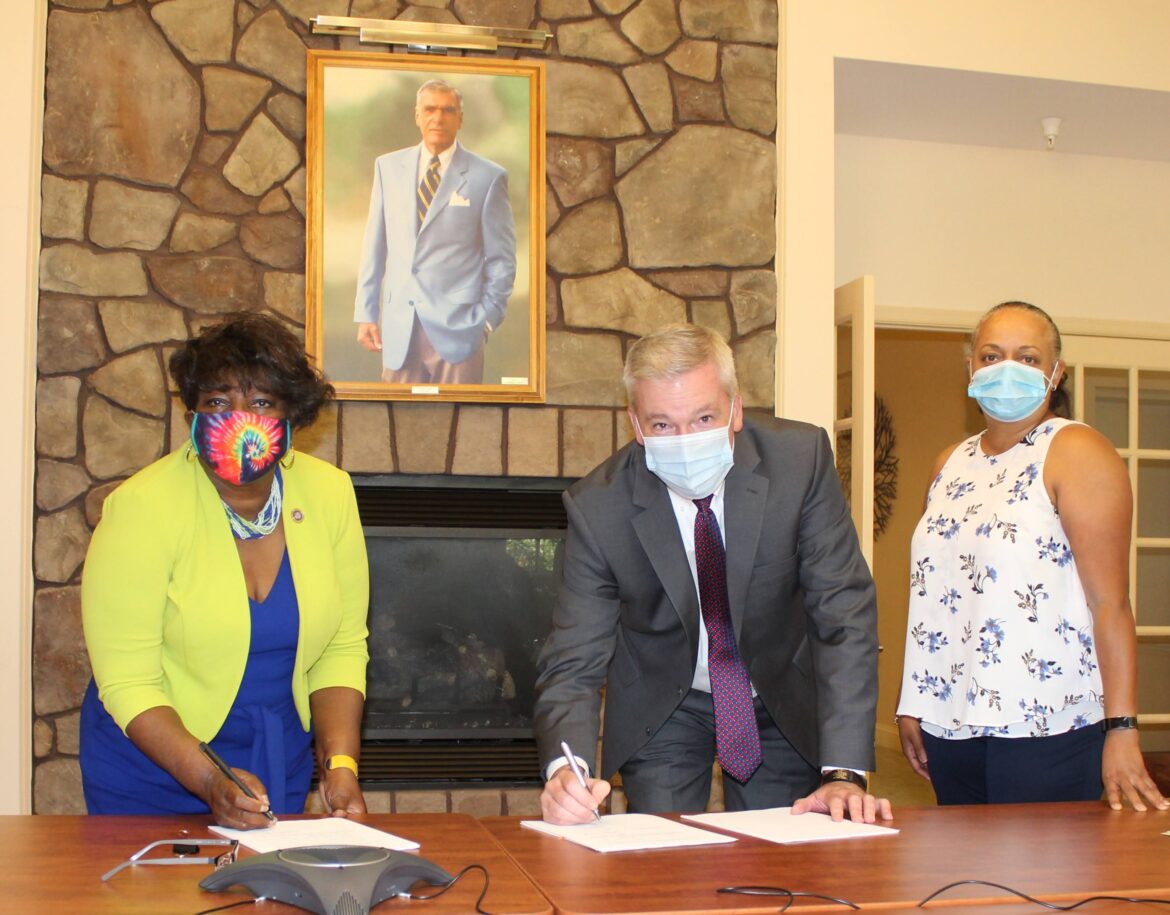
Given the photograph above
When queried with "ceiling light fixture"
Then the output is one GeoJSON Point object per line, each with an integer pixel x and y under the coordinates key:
{"type": "Point", "coordinates": [1051, 128]}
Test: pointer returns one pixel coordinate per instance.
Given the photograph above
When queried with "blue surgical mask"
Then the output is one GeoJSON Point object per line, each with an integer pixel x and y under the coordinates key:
{"type": "Point", "coordinates": [1009, 391]}
{"type": "Point", "coordinates": [693, 465]}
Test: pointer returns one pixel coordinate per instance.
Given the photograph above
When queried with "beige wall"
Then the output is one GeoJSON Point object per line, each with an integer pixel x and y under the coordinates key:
{"type": "Point", "coordinates": [962, 227]}
{"type": "Point", "coordinates": [922, 378]}
{"type": "Point", "coordinates": [21, 74]}
{"type": "Point", "coordinates": [1084, 236]}
{"type": "Point", "coordinates": [1077, 40]}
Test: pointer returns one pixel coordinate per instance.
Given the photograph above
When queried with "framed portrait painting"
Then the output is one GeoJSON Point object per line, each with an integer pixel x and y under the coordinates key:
{"type": "Point", "coordinates": [425, 221]}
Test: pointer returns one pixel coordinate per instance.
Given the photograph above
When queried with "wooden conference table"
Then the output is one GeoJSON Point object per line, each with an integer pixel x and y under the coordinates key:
{"type": "Point", "coordinates": [55, 864]}
{"type": "Point", "coordinates": [1058, 852]}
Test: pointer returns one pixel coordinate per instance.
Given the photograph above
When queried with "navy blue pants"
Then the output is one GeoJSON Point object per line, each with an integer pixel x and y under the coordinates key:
{"type": "Point", "coordinates": [1017, 770]}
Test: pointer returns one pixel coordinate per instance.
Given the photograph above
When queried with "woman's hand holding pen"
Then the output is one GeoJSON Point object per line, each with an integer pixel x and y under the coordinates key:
{"type": "Point", "coordinates": [232, 807]}
{"type": "Point", "coordinates": [160, 734]}
{"type": "Point", "coordinates": [247, 792]}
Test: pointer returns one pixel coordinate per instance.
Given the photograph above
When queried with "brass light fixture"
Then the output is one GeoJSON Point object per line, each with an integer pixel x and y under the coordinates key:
{"type": "Point", "coordinates": [430, 34]}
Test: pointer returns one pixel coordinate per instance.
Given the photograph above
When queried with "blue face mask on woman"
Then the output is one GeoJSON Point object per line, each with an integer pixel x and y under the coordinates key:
{"type": "Point", "coordinates": [1009, 391]}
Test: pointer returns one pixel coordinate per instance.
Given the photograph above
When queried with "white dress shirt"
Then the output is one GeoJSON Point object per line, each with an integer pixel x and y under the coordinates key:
{"type": "Point", "coordinates": [424, 160]}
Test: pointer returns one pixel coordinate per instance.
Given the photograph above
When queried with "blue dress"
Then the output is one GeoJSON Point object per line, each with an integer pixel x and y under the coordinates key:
{"type": "Point", "coordinates": [262, 733]}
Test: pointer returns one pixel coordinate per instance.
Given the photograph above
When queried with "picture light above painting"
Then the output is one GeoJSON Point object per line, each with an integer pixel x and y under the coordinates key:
{"type": "Point", "coordinates": [430, 35]}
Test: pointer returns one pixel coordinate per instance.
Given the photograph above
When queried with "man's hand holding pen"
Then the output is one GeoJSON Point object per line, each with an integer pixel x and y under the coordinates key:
{"type": "Point", "coordinates": [564, 801]}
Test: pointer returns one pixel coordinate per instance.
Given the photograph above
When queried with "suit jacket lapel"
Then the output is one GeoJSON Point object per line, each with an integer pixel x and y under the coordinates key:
{"type": "Point", "coordinates": [405, 176]}
{"type": "Point", "coordinates": [657, 529]}
{"type": "Point", "coordinates": [744, 496]}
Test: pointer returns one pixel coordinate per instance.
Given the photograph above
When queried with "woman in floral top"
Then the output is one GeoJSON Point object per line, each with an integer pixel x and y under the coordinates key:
{"type": "Point", "coordinates": [1020, 674]}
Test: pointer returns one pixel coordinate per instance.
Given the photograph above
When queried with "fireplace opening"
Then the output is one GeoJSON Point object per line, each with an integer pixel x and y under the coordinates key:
{"type": "Point", "coordinates": [464, 574]}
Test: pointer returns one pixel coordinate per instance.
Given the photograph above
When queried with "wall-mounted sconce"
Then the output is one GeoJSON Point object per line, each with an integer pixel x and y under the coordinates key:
{"type": "Point", "coordinates": [430, 35]}
{"type": "Point", "coordinates": [1051, 128]}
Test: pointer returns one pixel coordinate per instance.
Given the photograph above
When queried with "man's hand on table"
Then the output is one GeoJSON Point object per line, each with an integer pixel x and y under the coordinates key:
{"type": "Point", "coordinates": [844, 799]}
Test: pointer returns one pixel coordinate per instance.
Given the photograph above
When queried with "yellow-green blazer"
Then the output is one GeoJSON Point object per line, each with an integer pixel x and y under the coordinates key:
{"type": "Point", "coordinates": [164, 604]}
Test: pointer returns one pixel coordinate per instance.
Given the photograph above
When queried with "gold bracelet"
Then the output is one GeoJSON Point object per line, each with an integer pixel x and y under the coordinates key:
{"type": "Point", "coordinates": [341, 761]}
{"type": "Point", "coordinates": [845, 775]}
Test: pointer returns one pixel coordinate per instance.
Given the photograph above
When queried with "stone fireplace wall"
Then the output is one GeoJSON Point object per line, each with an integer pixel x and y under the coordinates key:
{"type": "Point", "coordinates": [173, 192]}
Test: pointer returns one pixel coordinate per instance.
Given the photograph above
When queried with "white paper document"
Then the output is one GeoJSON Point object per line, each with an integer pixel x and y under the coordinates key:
{"type": "Point", "coordinates": [777, 824]}
{"type": "Point", "coordinates": [630, 832]}
{"type": "Point", "coordinates": [321, 831]}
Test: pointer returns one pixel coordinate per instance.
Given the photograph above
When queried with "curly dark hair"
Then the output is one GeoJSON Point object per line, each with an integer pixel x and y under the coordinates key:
{"type": "Point", "coordinates": [256, 352]}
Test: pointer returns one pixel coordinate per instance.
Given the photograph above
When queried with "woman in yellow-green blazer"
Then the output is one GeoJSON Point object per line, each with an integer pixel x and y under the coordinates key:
{"type": "Point", "coordinates": [224, 601]}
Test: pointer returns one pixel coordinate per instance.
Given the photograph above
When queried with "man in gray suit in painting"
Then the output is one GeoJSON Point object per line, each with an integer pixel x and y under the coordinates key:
{"type": "Point", "coordinates": [765, 659]}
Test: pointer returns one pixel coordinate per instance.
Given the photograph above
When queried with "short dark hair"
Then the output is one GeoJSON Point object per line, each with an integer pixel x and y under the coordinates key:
{"type": "Point", "coordinates": [256, 352]}
{"type": "Point", "coordinates": [1061, 403]}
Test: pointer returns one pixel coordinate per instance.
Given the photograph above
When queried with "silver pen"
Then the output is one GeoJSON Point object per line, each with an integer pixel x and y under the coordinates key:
{"type": "Point", "coordinates": [575, 768]}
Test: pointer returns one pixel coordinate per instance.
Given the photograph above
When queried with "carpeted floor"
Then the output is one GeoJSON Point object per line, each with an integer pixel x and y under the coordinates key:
{"type": "Point", "coordinates": [897, 781]}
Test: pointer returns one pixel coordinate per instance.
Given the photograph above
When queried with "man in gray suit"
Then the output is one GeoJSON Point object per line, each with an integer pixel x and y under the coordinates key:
{"type": "Point", "coordinates": [766, 660]}
{"type": "Point", "coordinates": [438, 260]}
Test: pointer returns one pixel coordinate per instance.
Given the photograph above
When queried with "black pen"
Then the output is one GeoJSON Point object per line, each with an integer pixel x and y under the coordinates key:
{"type": "Point", "coordinates": [235, 779]}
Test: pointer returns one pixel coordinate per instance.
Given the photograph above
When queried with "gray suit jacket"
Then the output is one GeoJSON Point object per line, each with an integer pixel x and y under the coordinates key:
{"type": "Point", "coordinates": [802, 602]}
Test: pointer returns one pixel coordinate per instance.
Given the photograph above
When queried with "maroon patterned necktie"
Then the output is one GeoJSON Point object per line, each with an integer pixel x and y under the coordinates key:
{"type": "Point", "coordinates": [427, 188]}
{"type": "Point", "coordinates": [737, 739]}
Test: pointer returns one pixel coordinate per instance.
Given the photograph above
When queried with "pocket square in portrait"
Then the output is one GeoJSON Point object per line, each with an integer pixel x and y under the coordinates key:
{"type": "Point", "coordinates": [457, 201]}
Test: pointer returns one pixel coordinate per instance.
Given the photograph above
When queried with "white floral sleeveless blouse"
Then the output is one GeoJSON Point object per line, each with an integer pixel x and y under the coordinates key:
{"type": "Point", "coordinates": [999, 639]}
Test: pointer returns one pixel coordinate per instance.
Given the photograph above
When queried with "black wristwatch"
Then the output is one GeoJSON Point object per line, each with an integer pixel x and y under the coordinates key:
{"type": "Point", "coordinates": [845, 775]}
{"type": "Point", "coordinates": [1120, 723]}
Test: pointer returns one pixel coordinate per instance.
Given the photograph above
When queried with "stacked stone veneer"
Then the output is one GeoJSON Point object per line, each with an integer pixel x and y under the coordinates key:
{"type": "Point", "coordinates": [173, 192]}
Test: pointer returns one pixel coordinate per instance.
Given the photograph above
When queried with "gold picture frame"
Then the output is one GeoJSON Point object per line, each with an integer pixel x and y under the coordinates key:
{"type": "Point", "coordinates": [361, 109]}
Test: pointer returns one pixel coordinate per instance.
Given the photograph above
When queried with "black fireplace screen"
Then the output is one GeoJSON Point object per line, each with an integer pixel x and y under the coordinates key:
{"type": "Point", "coordinates": [457, 619]}
{"type": "Point", "coordinates": [463, 579]}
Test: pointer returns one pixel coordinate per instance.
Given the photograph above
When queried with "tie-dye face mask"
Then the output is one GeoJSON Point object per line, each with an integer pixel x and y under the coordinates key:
{"type": "Point", "coordinates": [239, 446]}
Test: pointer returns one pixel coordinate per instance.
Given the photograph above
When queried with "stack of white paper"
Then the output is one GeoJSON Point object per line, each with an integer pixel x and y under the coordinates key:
{"type": "Point", "coordinates": [777, 824]}
{"type": "Point", "coordinates": [630, 832]}
{"type": "Point", "coordinates": [322, 831]}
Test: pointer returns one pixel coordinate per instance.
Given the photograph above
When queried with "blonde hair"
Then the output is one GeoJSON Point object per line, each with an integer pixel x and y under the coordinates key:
{"type": "Point", "coordinates": [675, 350]}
